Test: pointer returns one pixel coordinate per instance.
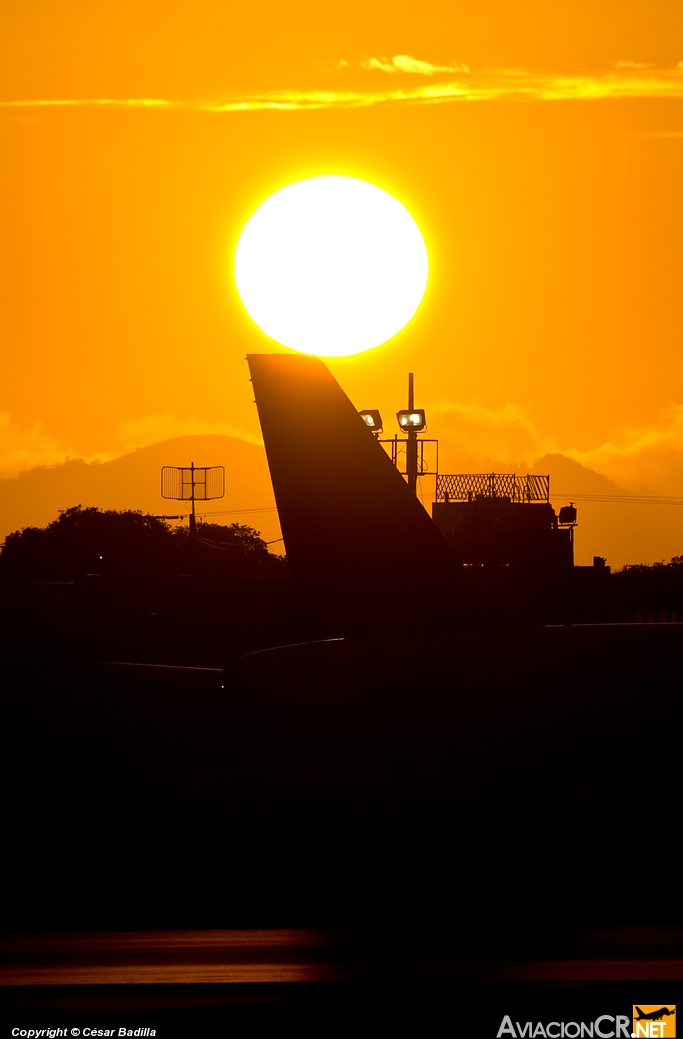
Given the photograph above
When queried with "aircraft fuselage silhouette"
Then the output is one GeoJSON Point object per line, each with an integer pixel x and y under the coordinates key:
{"type": "Point", "coordinates": [654, 1015]}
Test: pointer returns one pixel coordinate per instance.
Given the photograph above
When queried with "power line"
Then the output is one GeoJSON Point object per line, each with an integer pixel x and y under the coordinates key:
{"type": "Point", "coordinates": [220, 548]}
{"type": "Point", "coordinates": [218, 512]}
{"type": "Point", "coordinates": [614, 499]}
{"type": "Point", "coordinates": [235, 512]}
{"type": "Point", "coordinates": [231, 548]}
{"type": "Point", "coordinates": [622, 499]}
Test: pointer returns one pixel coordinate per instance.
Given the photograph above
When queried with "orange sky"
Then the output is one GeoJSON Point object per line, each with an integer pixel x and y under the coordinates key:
{"type": "Point", "coordinates": [539, 144]}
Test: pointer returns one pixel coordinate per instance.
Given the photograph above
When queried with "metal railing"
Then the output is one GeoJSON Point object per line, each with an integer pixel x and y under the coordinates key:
{"type": "Point", "coordinates": [397, 448]}
{"type": "Point", "coordinates": [468, 486]}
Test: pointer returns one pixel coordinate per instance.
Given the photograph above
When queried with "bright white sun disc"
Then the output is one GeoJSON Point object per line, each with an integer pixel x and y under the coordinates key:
{"type": "Point", "coordinates": [331, 266]}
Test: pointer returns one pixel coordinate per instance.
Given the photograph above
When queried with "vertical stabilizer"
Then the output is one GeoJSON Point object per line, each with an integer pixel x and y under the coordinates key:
{"type": "Point", "coordinates": [348, 518]}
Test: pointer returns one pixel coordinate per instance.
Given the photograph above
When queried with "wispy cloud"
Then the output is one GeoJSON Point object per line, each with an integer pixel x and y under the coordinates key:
{"type": "Point", "coordinates": [631, 65]}
{"type": "Point", "coordinates": [413, 66]}
{"type": "Point", "coordinates": [85, 102]}
{"type": "Point", "coordinates": [642, 458]}
{"type": "Point", "coordinates": [26, 448]}
{"type": "Point", "coordinates": [154, 428]}
{"type": "Point", "coordinates": [475, 438]}
{"type": "Point", "coordinates": [472, 436]}
{"type": "Point", "coordinates": [501, 84]}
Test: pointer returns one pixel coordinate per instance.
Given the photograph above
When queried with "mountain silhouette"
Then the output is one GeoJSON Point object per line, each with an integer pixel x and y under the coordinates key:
{"type": "Point", "coordinates": [132, 481]}
{"type": "Point", "coordinates": [623, 533]}
{"type": "Point", "coordinates": [567, 475]}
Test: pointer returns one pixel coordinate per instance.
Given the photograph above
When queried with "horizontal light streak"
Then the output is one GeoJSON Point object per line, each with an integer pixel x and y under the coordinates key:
{"type": "Point", "coordinates": [261, 956]}
{"type": "Point", "coordinates": [169, 974]}
{"type": "Point", "coordinates": [166, 958]}
{"type": "Point", "coordinates": [507, 84]}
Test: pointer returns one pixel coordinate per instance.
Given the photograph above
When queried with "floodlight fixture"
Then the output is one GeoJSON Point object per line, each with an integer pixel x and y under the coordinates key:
{"type": "Point", "coordinates": [372, 419]}
{"type": "Point", "coordinates": [567, 517]}
{"type": "Point", "coordinates": [412, 420]}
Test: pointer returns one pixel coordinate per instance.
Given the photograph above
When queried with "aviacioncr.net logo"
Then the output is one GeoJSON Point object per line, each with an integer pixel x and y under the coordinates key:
{"type": "Point", "coordinates": [606, 1026]}
{"type": "Point", "coordinates": [654, 1021]}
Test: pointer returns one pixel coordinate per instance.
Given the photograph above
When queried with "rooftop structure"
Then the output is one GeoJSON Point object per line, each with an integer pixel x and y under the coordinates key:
{"type": "Point", "coordinates": [502, 519]}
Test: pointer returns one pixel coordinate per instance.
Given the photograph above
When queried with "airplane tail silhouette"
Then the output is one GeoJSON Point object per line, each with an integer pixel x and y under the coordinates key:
{"type": "Point", "coordinates": [354, 533]}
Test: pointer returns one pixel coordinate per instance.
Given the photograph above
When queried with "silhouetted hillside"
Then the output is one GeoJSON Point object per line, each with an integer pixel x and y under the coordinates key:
{"type": "Point", "coordinates": [35, 497]}
{"type": "Point", "coordinates": [567, 475]}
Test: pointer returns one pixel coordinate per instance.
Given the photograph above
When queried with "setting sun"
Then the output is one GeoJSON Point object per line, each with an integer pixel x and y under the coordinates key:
{"type": "Point", "coordinates": [331, 266]}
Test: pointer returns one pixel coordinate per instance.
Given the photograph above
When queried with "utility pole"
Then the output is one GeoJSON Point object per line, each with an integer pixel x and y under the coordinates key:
{"type": "Point", "coordinates": [205, 483]}
{"type": "Point", "coordinates": [411, 446]}
{"type": "Point", "coordinates": [193, 527]}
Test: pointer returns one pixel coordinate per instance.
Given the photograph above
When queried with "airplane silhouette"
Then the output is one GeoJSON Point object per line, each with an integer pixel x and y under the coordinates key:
{"type": "Point", "coordinates": [425, 737]}
{"type": "Point", "coordinates": [654, 1015]}
{"type": "Point", "coordinates": [348, 518]}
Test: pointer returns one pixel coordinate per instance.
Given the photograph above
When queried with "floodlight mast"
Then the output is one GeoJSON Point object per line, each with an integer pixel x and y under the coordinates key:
{"type": "Point", "coordinates": [411, 421]}
{"type": "Point", "coordinates": [411, 446]}
{"type": "Point", "coordinates": [193, 524]}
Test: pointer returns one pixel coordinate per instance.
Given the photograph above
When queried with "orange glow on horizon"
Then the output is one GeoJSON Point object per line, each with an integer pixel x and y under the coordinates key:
{"type": "Point", "coordinates": [539, 148]}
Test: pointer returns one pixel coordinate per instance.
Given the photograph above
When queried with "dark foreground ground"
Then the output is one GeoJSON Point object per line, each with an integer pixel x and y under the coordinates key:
{"type": "Point", "coordinates": [411, 826]}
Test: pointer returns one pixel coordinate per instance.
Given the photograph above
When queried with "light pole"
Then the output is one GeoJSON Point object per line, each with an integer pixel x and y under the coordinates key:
{"type": "Point", "coordinates": [193, 525]}
{"type": "Point", "coordinates": [411, 446]}
{"type": "Point", "coordinates": [412, 421]}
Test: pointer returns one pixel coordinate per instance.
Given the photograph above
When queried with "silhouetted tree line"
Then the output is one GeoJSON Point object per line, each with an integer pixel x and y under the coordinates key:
{"type": "Point", "coordinates": [127, 543]}
{"type": "Point", "coordinates": [658, 586]}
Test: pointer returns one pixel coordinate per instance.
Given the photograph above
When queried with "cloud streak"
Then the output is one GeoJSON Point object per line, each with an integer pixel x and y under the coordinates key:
{"type": "Point", "coordinates": [22, 449]}
{"type": "Point", "coordinates": [472, 438]}
{"type": "Point", "coordinates": [631, 65]}
{"type": "Point", "coordinates": [154, 428]}
{"type": "Point", "coordinates": [412, 66]}
{"type": "Point", "coordinates": [642, 458]}
{"type": "Point", "coordinates": [475, 438]}
{"type": "Point", "coordinates": [505, 84]}
{"type": "Point", "coordinates": [25, 448]}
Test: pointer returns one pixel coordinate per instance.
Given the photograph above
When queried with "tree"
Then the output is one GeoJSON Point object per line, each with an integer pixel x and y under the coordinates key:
{"type": "Point", "coordinates": [90, 540]}
{"type": "Point", "coordinates": [658, 586]}
{"type": "Point", "coordinates": [231, 549]}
